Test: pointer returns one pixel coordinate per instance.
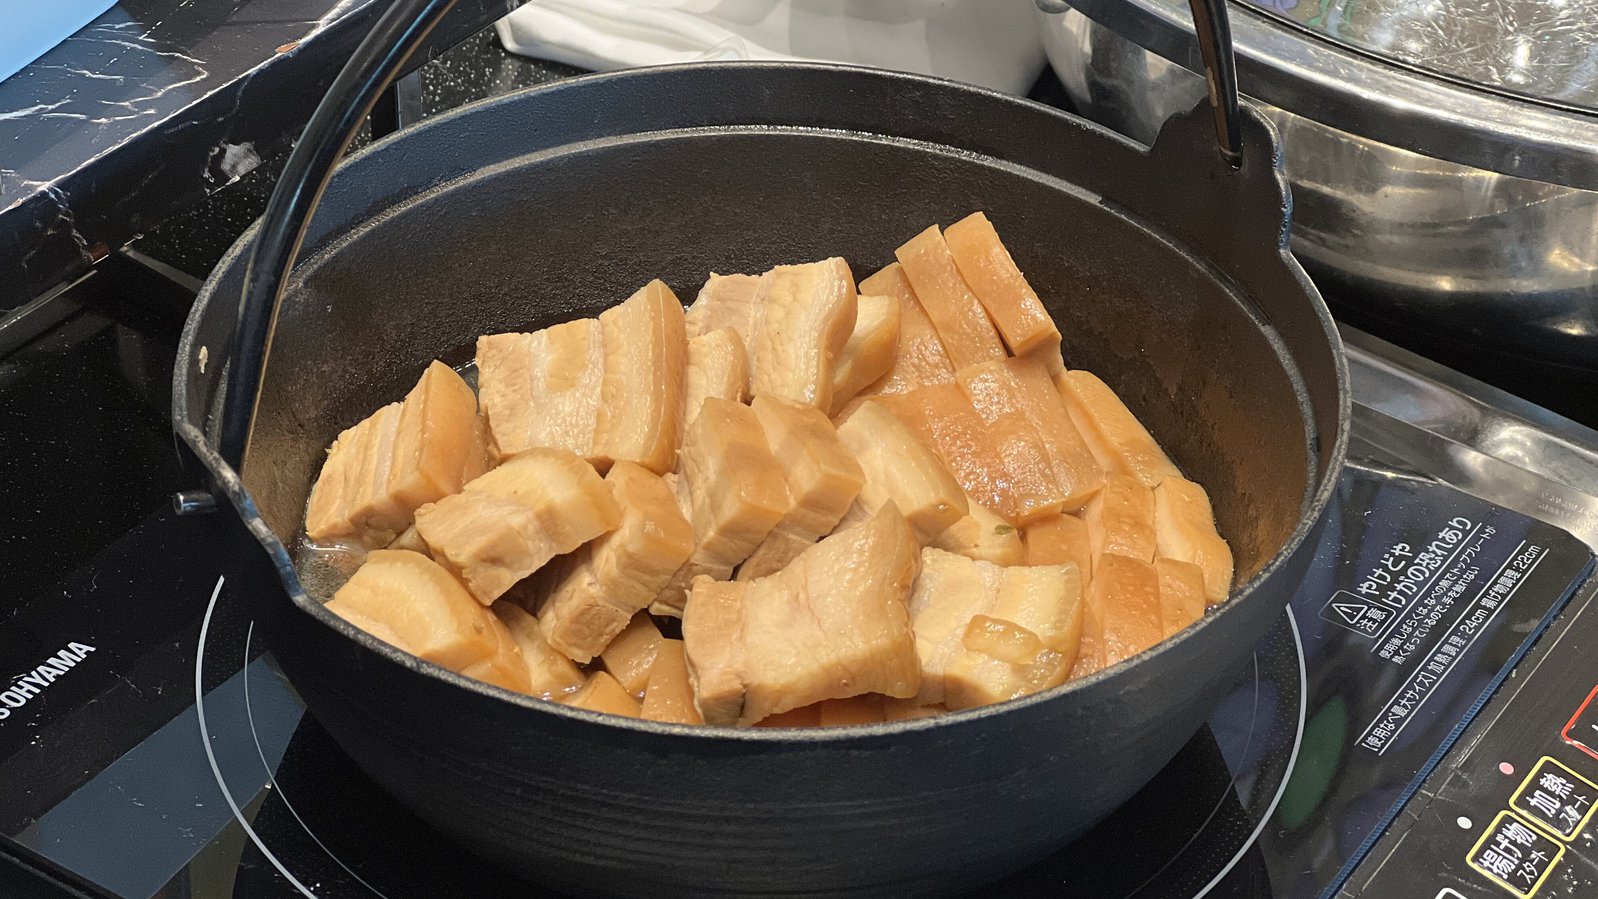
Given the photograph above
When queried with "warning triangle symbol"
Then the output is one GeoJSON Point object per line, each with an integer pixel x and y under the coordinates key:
{"type": "Point", "coordinates": [1350, 611]}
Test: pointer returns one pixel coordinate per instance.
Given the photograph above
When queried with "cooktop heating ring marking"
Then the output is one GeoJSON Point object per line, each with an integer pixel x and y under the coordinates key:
{"type": "Point", "coordinates": [249, 715]}
{"type": "Point", "coordinates": [1198, 832]}
{"type": "Point", "coordinates": [210, 756]}
{"type": "Point", "coordinates": [1292, 762]}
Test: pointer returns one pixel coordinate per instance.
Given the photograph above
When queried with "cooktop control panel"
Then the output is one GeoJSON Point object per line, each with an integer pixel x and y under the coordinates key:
{"type": "Point", "coordinates": [1510, 810]}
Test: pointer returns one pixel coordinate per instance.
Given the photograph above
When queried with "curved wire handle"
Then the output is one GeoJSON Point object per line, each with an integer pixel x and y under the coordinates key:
{"type": "Point", "coordinates": [348, 102]}
{"type": "Point", "coordinates": [1214, 31]}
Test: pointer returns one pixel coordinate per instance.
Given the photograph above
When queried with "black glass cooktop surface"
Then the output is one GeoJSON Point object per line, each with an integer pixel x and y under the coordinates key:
{"type": "Point", "coordinates": [146, 762]}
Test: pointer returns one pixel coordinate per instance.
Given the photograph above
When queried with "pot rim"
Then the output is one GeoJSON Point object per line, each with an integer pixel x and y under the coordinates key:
{"type": "Point", "coordinates": [228, 481]}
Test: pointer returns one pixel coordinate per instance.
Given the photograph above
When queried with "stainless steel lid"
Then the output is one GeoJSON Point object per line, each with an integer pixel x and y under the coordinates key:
{"type": "Point", "coordinates": [1509, 86]}
{"type": "Point", "coordinates": [1538, 49]}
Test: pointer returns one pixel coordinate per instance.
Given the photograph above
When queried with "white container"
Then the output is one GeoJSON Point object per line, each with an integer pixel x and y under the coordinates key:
{"type": "Point", "coordinates": [994, 43]}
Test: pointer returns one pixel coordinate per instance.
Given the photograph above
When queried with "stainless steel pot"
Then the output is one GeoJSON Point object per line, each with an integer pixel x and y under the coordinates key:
{"type": "Point", "coordinates": [1459, 250]}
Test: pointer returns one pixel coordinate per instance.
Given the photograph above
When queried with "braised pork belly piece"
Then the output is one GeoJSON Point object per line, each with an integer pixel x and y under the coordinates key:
{"type": "Point", "coordinates": [962, 324]}
{"type": "Point", "coordinates": [987, 633]}
{"type": "Point", "coordinates": [669, 692]}
{"type": "Point", "coordinates": [543, 389]}
{"type": "Point", "coordinates": [871, 349]}
{"type": "Point", "coordinates": [402, 457]}
{"type": "Point", "coordinates": [508, 523]}
{"type": "Point", "coordinates": [1123, 616]}
{"type": "Point", "coordinates": [1010, 301]}
{"type": "Point", "coordinates": [718, 366]}
{"type": "Point", "coordinates": [411, 598]}
{"type": "Point", "coordinates": [822, 475]}
{"type": "Point", "coordinates": [1185, 530]}
{"type": "Point", "coordinates": [918, 357]}
{"type": "Point", "coordinates": [595, 591]}
{"type": "Point", "coordinates": [984, 536]}
{"type": "Point", "coordinates": [604, 389]}
{"type": "Point", "coordinates": [1120, 519]}
{"type": "Point", "coordinates": [550, 674]}
{"type": "Point", "coordinates": [1057, 540]}
{"type": "Point", "coordinates": [1001, 463]}
{"type": "Point", "coordinates": [809, 313]}
{"type": "Point", "coordinates": [900, 467]}
{"type": "Point", "coordinates": [1116, 438]}
{"type": "Point", "coordinates": [833, 624]}
{"type": "Point", "coordinates": [735, 493]}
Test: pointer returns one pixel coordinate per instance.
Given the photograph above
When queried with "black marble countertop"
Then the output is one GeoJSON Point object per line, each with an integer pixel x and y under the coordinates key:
{"type": "Point", "coordinates": [156, 104]}
{"type": "Point", "coordinates": [86, 446]}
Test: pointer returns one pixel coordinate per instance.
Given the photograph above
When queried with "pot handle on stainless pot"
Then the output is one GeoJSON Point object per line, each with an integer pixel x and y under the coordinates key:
{"type": "Point", "coordinates": [1214, 31]}
{"type": "Point", "coordinates": [349, 100]}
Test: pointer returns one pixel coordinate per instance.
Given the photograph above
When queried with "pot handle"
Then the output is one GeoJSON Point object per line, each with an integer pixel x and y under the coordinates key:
{"type": "Point", "coordinates": [349, 100]}
{"type": "Point", "coordinates": [1214, 31]}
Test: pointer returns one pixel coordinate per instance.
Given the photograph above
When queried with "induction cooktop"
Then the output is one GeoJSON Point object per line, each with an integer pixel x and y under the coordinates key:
{"type": "Point", "coordinates": [1420, 722]}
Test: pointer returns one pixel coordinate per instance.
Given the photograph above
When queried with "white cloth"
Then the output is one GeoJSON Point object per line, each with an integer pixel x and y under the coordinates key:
{"type": "Point", "coordinates": [994, 43]}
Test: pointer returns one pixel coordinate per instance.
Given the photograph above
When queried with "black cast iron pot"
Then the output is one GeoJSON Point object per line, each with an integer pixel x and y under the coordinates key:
{"type": "Point", "coordinates": [1167, 270]}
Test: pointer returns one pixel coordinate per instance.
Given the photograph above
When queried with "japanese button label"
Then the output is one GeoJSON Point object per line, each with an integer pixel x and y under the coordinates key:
{"type": "Point", "coordinates": [1556, 797]}
{"type": "Point", "coordinates": [1514, 855]}
{"type": "Point", "coordinates": [1582, 730]}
